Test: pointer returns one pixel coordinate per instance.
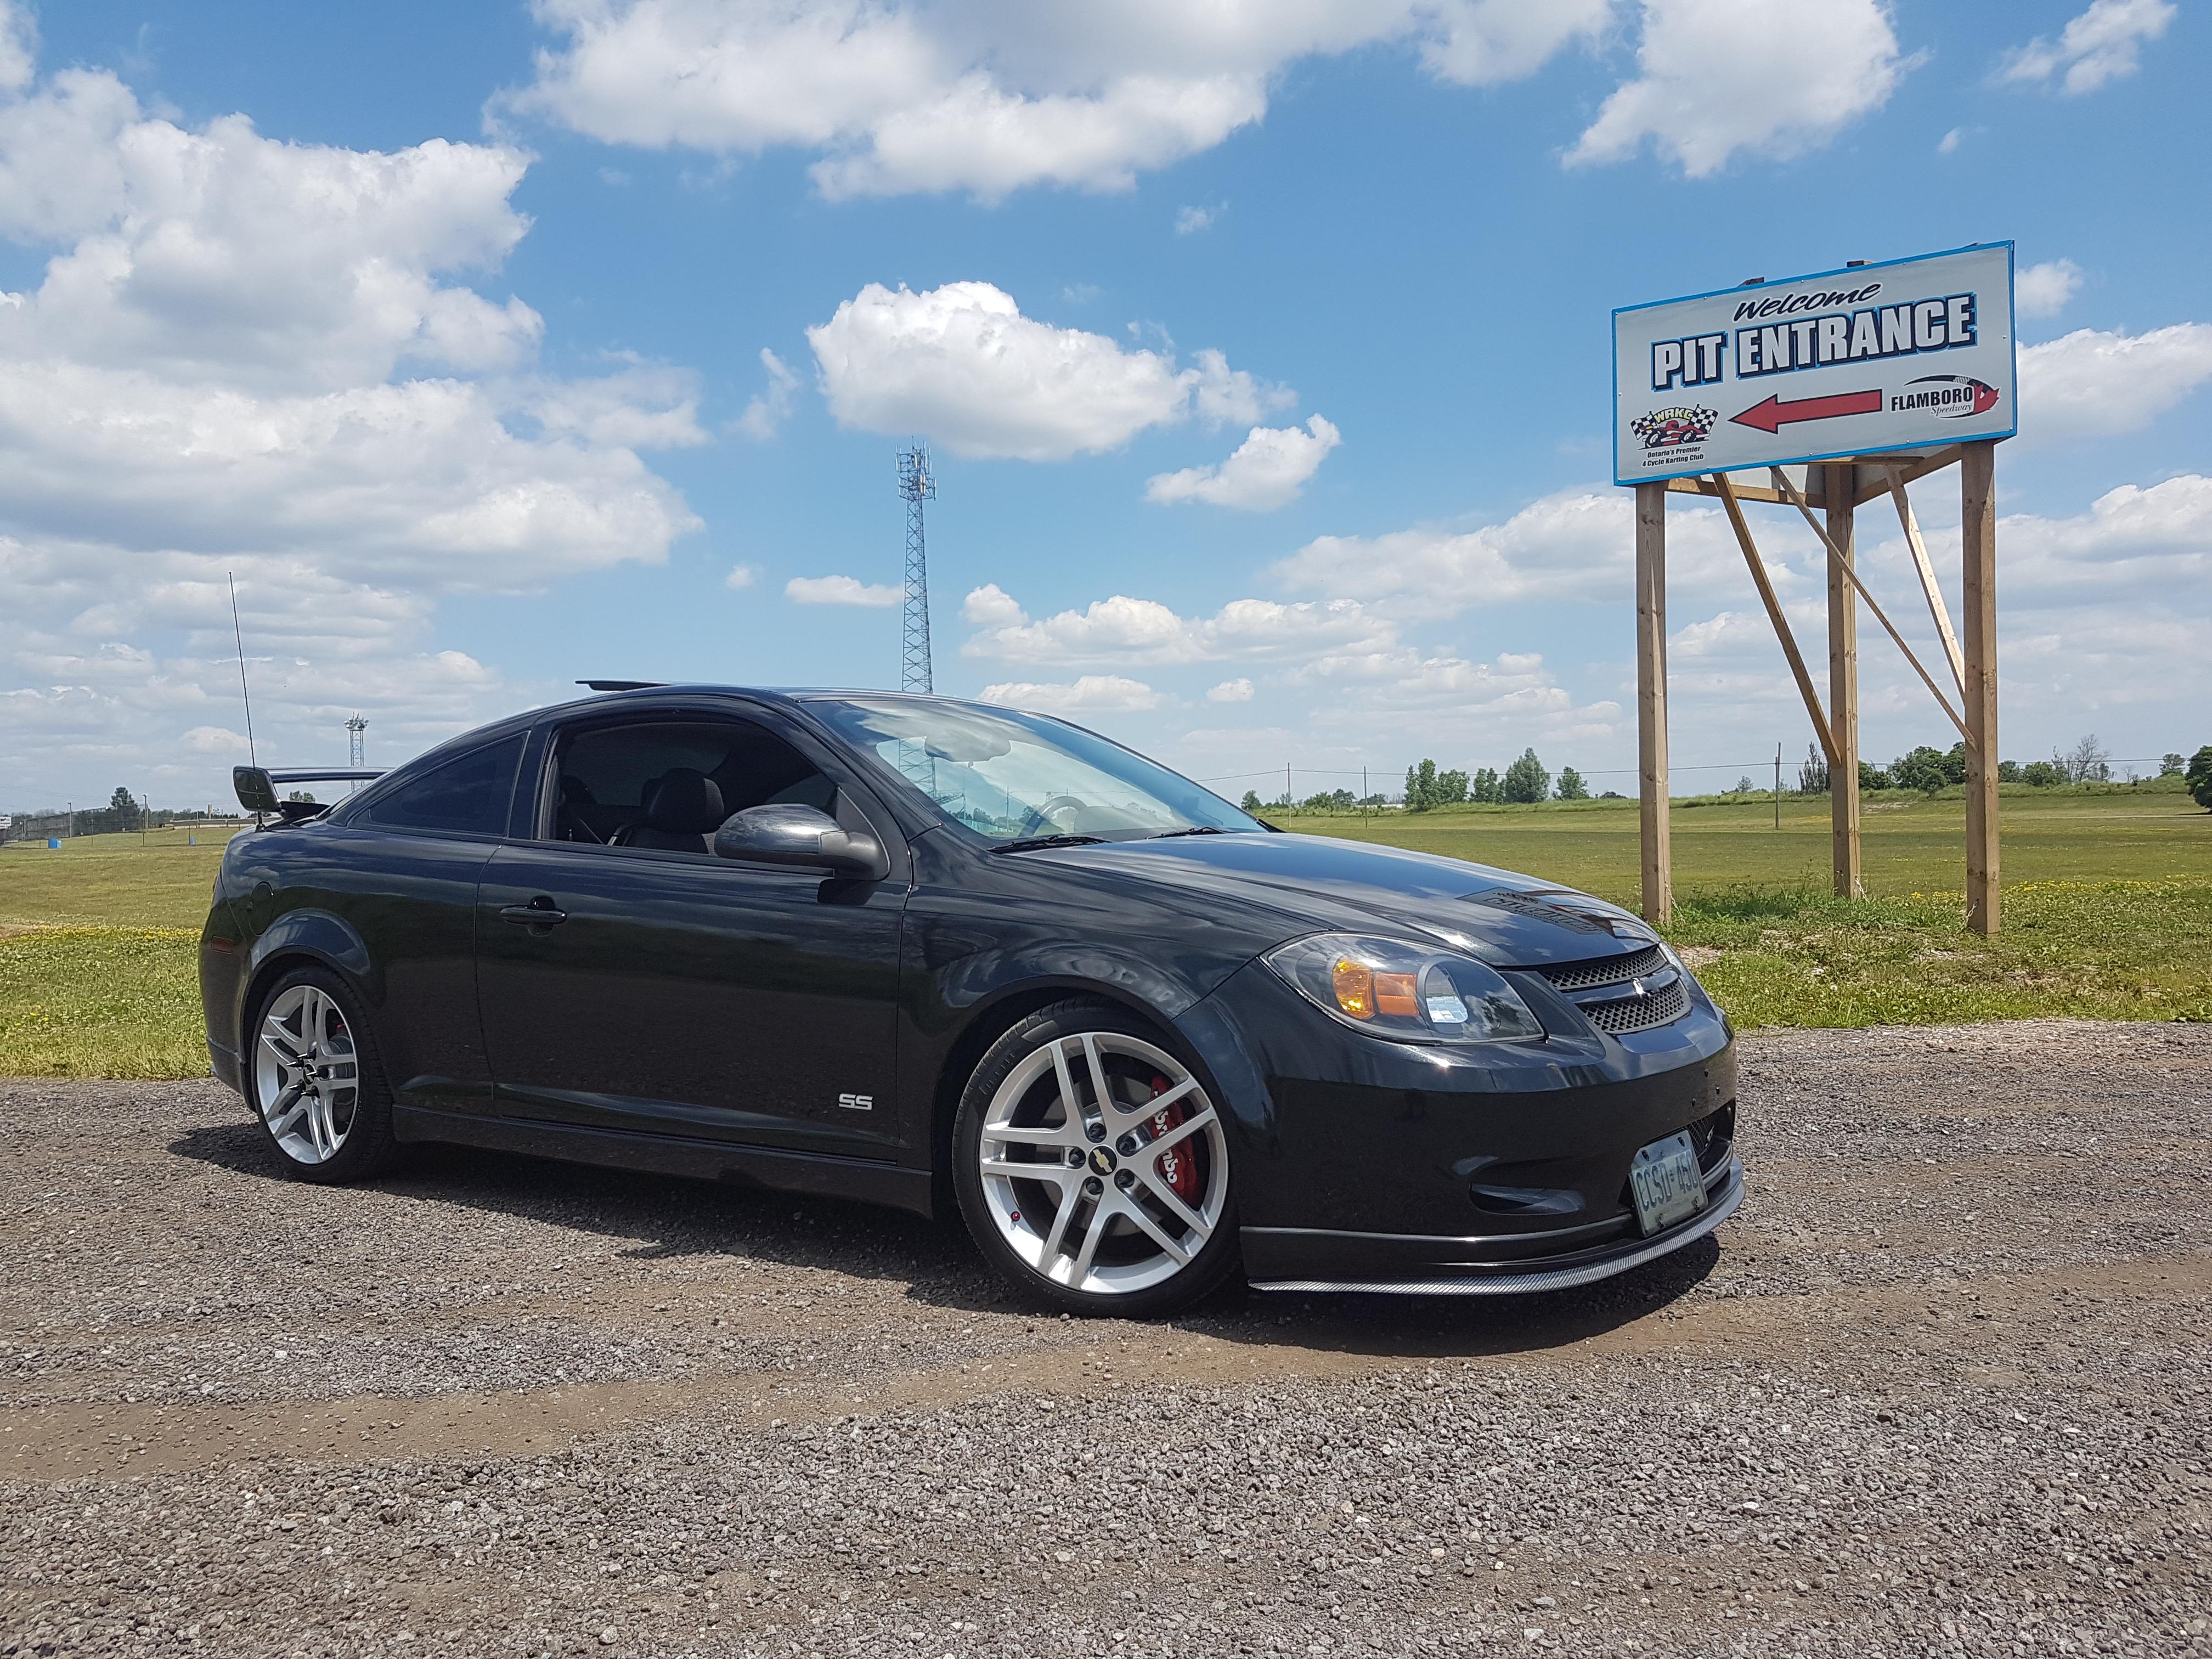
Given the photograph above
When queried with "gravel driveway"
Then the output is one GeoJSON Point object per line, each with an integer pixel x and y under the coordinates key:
{"type": "Point", "coordinates": [1943, 1386]}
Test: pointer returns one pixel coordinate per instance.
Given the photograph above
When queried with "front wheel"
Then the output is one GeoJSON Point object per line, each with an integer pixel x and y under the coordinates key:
{"type": "Point", "coordinates": [1092, 1167]}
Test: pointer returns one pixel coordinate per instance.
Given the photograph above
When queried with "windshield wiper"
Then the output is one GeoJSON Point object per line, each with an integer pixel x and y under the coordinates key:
{"type": "Point", "coordinates": [1195, 830]}
{"type": "Point", "coordinates": [1031, 843]}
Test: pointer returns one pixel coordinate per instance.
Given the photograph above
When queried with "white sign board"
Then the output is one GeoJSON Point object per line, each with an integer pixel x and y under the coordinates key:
{"type": "Point", "coordinates": [1907, 354]}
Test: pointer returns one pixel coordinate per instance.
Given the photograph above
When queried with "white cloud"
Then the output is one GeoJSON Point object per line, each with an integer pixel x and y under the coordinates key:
{"type": "Point", "coordinates": [766, 413]}
{"type": "Point", "coordinates": [1123, 630]}
{"type": "Point", "coordinates": [1094, 694]}
{"type": "Point", "coordinates": [1717, 76]}
{"type": "Point", "coordinates": [741, 577]}
{"type": "Point", "coordinates": [2043, 290]}
{"type": "Point", "coordinates": [1576, 543]}
{"type": "Point", "coordinates": [214, 740]}
{"type": "Point", "coordinates": [1265, 471]}
{"type": "Point", "coordinates": [1237, 691]}
{"type": "Point", "coordinates": [986, 96]}
{"type": "Point", "coordinates": [1950, 140]}
{"type": "Point", "coordinates": [1193, 219]}
{"type": "Point", "coordinates": [2103, 45]}
{"type": "Point", "coordinates": [248, 356]}
{"type": "Point", "coordinates": [961, 364]}
{"type": "Point", "coordinates": [991, 606]}
{"type": "Point", "coordinates": [2094, 382]}
{"type": "Point", "coordinates": [2150, 544]}
{"type": "Point", "coordinates": [840, 589]}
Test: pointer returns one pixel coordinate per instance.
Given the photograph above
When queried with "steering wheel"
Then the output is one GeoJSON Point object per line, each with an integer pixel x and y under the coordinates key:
{"type": "Point", "coordinates": [1040, 814]}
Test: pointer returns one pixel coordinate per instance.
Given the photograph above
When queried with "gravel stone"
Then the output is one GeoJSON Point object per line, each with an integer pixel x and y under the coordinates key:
{"type": "Point", "coordinates": [1940, 1388]}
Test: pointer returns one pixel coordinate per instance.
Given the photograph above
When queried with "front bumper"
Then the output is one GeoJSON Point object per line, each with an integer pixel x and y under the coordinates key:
{"type": "Point", "coordinates": [1413, 1264]}
{"type": "Point", "coordinates": [1367, 1165]}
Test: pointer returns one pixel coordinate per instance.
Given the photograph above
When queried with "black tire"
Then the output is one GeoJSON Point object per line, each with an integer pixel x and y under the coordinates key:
{"type": "Point", "coordinates": [366, 1147]}
{"type": "Point", "coordinates": [1214, 1263]}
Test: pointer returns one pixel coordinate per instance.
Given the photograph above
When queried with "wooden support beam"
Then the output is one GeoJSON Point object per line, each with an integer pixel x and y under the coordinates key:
{"type": "Point", "coordinates": [1873, 479]}
{"type": "Point", "coordinates": [1978, 503]}
{"type": "Point", "coordinates": [1651, 702]}
{"type": "Point", "coordinates": [1844, 860]}
{"type": "Point", "coordinates": [1743, 492]}
{"type": "Point", "coordinates": [1727, 493]}
{"type": "Point", "coordinates": [1929, 585]}
{"type": "Point", "coordinates": [1839, 563]}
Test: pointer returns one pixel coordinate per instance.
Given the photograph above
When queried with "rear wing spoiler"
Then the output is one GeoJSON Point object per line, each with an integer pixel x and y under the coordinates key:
{"type": "Point", "coordinates": [257, 788]}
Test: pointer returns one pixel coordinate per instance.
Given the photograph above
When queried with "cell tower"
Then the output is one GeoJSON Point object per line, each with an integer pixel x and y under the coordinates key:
{"type": "Point", "coordinates": [916, 485]}
{"type": "Point", "coordinates": [356, 745]}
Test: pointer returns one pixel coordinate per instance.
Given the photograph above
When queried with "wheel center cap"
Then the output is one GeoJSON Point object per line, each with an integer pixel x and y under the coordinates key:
{"type": "Point", "coordinates": [1102, 1160]}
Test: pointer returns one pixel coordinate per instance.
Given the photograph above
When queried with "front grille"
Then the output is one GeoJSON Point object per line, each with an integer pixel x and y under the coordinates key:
{"type": "Point", "coordinates": [1639, 1013]}
{"type": "Point", "coordinates": [1607, 970]}
{"type": "Point", "coordinates": [1712, 1136]}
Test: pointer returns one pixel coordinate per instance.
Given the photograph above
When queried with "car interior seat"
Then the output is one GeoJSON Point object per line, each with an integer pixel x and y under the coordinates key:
{"type": "Point", "coordinates": [683, 809]}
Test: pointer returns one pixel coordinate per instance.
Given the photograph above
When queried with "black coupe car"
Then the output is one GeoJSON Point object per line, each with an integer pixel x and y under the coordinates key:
{"type": "Point", "coordinates": [928, 953]}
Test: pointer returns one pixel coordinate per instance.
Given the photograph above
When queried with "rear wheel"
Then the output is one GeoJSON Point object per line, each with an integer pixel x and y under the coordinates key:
{"type": "Point", "coordinates": [314, 1080]}
{"type": "Point", "coordinates": [1092, 1167]}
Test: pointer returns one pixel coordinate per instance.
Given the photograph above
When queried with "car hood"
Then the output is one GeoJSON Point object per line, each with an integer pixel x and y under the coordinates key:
{"type": "Point", "coordinates": [1289, 885]}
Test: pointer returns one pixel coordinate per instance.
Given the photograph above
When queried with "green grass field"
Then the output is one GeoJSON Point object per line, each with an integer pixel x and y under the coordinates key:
{"type": "Point", "coordinates": [2108, 914]}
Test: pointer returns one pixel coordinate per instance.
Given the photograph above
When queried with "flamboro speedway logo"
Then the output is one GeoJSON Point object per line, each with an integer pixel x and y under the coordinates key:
{"type": "Point", "coordinates": [1674, 428]}
{"type": "Point", "coordinates": [1946, 397]}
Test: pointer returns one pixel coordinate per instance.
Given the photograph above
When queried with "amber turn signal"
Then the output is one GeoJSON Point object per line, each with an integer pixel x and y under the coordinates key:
{"type": "Point", "coordinates": [1354, 984]}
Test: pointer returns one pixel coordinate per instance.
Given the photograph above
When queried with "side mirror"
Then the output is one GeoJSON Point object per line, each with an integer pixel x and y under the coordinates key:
{"type": "Point", "coordinates": [256, 793]}
{"type": "Point", "coordinates": [803, 838]}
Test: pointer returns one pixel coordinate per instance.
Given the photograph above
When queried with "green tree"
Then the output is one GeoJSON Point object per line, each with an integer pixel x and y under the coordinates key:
{"type": "Point", "coordinates": [2171, 766]}
{"type": "Point", "coordinates": [1526, 781]}
{"type": "Point", "coordinates": [1572, 786]}
{"type": "Point", "coordinates": [2199, 777]}
{"type": "Point", "coordinates": [122, 810]}
{"type": "Point", "coordinates": [1813, 776]}
{"type": "Point", "coordinates": [1485, 786]}
{"type": "Point", "coordinates": [2009, 772]}
{"type": "Point", "coordinates": [1955, 762]}
{"type": "Point", "coordinates": [1251, 801]}
{"type": "Point", "coordinates": [1421, 786]}
{"type": "Point", "coordinates": [2040, 774]}
{"type": "Point", "coordinates": [1451, 788]}
{"type": "Point", "coordinates": [1872, 777]}
{"type": "Point", "coordinates": [1922, 770]}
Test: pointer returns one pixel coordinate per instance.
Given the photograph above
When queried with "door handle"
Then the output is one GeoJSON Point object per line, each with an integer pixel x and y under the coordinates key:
{"type": "Point", "coordinates": [540, 912]}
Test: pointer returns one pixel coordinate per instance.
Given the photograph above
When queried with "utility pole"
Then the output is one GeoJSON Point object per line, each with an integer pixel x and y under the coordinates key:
{"type": "Point", "coordinates": [916, 485]}
{"type": "Point", "coordinates": [1778, 785]}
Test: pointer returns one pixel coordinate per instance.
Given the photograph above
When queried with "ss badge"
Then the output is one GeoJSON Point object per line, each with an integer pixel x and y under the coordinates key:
{"type": "Point", "coordinates": [858, 1102]}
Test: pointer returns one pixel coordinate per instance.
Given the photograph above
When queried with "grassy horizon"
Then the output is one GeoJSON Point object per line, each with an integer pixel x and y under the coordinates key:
{"type": "Point", "coordinates": [2107, 914]}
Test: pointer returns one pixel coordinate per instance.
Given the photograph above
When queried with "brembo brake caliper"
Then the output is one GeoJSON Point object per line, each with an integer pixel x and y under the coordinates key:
{"type": "Point", "coordinates": [1177, 1167]}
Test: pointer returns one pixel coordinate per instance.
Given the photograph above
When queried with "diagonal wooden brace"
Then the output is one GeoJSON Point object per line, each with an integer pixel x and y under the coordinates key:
{"type": "Point", "coordinates": [1928, 583]}
{"type": "Point", "coordinates": [1790, 493]}
{"type": "Point", "coordinates": [1734, 508]}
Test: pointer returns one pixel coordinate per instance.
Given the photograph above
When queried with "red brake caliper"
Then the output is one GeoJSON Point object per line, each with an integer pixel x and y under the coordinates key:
{"type": "Point", "coordinates": [1177, 1166]}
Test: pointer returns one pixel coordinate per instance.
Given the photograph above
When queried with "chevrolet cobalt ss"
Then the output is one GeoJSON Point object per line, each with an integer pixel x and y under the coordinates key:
{"type": "Point", "coordinates": [926, 953]}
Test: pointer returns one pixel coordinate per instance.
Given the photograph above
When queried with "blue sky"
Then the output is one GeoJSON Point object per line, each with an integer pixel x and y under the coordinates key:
{"type": "Point", "coordinates": [451, 351]}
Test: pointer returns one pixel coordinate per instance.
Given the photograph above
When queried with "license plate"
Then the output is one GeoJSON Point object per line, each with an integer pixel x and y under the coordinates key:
{"type": "Point", "coordinates": [1667, 1183]}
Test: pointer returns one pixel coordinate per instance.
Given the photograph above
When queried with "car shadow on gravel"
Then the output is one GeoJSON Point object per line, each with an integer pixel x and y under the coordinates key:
{"type": "Point", "coordinates": [663, 1217]}
{"type": "Point", "coordinates": [1457, 1326]}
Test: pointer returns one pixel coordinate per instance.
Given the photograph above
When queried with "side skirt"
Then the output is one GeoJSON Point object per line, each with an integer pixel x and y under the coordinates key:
{"type": "Point", "coordinates": [861, 1180]}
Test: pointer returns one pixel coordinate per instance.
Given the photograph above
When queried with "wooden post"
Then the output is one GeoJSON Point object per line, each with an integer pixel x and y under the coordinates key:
{"type": "Point", "coordinates": [1843, 687]}
{"type": "Point", "coordinates": [1651, 700]}
{"type": "Point", "coordinates": [1977, 496]}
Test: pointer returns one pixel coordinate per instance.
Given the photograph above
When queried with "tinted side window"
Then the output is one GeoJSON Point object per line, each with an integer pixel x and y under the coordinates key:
{"type": "Point", "coordinates": [469, 794]}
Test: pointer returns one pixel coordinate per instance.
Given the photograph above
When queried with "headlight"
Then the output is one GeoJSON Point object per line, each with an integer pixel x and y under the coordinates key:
{"type": "Point", "coordinates": [1408, 992]}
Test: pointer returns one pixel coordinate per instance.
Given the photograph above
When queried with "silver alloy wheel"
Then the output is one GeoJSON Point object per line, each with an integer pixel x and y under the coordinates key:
{"type": "Point", "coordinates": [1070, 1153]}
{"type": "Point", "coordinates": [306, 1080]}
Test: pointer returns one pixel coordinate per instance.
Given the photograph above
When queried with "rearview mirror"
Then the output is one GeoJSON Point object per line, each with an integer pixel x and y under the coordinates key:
{"type": "Point", "coordinates": [803, 838]}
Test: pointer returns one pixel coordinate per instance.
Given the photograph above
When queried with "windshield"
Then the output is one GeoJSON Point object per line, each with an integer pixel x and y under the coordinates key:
{"type": "Point", "coordinates": [1015, 777]}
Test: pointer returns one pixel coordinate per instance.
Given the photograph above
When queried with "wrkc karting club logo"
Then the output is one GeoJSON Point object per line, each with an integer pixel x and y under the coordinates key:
{"type": "Point", "coordinates": [1946, 397]}
{"type": "Point", "coordinates": [1674, 428]}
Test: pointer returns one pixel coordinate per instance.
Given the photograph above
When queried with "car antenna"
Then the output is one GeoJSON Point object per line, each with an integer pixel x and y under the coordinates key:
{"type": "Point", "coordinates": [245, 695]}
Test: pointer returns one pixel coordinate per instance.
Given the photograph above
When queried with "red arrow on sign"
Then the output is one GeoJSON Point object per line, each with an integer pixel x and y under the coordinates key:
{"type": "Point", "coordinates": [1773, 415]}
